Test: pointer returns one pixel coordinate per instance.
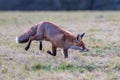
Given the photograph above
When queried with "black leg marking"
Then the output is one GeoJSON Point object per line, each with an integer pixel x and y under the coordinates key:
{"type": "Point", "coordinates": [65, 51]}
{"type": "Point", "coordinates": [53, 53]}
{"type": "Point", "coordinates": [40, 46]}
{"type": "Point", "coordinates": [29, 42]}
{"type": "Point", "coordinates": [28, 46]}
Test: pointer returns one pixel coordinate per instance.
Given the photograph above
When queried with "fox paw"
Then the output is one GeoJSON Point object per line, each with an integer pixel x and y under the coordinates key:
{"type": "Point", "coordinates": [53, 54]}
{"type": "Point", "coordinates": [48, 52]}
{"type": "Point", "coordinates": [26, 48]}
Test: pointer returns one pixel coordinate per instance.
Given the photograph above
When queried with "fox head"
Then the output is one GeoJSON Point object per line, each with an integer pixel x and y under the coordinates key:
{"type": "Point", "coordinates": [25, 37]}
{"type": "Point", "coordinates": [79, 43]}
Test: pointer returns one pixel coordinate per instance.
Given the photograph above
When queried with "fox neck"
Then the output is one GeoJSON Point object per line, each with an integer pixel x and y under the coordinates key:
{"type": "Point", "coordinates": [69, 41]}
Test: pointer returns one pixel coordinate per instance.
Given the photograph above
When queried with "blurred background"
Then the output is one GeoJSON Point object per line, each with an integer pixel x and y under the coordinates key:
{"type": "Point", "coordinates": [59, 5]}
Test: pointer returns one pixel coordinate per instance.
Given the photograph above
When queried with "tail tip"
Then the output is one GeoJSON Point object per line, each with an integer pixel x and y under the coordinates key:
{"type": "Point", "coordinates": [17, 40]}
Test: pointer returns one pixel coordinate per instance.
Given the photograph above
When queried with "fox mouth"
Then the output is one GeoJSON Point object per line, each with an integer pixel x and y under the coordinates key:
{"type": "Point", "coordinates": [84, 50]}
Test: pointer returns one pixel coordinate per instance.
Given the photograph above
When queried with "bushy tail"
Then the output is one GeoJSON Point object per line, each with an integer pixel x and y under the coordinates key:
{"type": "Point", "coordinates": [25, 37]}
{"type": "Point", "coordinates": [22, 39]}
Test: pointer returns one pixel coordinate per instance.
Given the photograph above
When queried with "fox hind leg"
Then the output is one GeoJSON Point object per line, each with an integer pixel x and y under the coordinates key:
{"type": "Point", "coordinates": [40, 46]}
{"type": "Point", "coordinates": [29, 42]}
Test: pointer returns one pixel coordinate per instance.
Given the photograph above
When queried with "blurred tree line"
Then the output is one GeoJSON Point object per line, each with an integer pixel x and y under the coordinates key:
{"type": "Point", "coordinates": [59, 4]}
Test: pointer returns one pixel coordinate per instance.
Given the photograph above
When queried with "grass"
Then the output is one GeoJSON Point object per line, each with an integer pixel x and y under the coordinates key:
{"type": "Point", "coordinates": [102, 38]}
{"type": "Point", "coordinates": [60, 67]}
{"type": "Point", "coordinates": [63, 67]}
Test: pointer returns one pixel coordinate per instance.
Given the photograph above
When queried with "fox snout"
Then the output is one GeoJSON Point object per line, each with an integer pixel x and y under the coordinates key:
{"type": "Point", "coordinates": [85, 50]}
{"type": "Point", "coordinates": [79, 48]}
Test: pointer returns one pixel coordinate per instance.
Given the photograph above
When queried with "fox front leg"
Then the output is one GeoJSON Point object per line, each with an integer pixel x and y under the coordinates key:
{"type": "Point", "coordinates": [53, 53]}
{"type": "Point", "coordinates": [65, 51]}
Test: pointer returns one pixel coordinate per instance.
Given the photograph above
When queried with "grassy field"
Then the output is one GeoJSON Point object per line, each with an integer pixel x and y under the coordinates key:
{"type": "Point", "coordinates": [102, 38]}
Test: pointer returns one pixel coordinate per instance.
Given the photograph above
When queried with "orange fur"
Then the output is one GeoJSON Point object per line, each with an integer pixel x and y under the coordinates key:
{"type": "Point", "coordinates": [58, 37]}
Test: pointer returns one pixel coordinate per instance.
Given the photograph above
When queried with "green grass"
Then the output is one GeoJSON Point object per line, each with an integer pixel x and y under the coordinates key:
{"type": "Point", "coordinates": [63, 67]}
{"type": "Point", "coordinates": [102, 38]}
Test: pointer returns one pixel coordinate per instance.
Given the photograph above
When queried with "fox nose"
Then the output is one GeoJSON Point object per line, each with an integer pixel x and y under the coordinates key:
{"type": "Point", "coordinates": [86, 50]}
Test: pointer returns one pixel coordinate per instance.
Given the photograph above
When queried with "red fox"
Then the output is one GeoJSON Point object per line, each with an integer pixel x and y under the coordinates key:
{"type": "Point", "coordinates": [58, 37]}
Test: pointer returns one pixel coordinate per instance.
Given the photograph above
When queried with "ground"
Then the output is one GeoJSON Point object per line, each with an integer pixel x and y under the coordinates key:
{"type": "Point", "coordinates": [102, 38]}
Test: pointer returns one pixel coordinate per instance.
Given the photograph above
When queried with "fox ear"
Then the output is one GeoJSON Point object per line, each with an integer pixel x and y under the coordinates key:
{"type": "Point", "coordinates": [78, 36]}
{"type": "Point", "coordinates": [82, 35]}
